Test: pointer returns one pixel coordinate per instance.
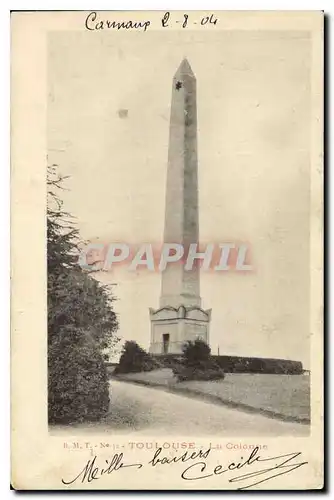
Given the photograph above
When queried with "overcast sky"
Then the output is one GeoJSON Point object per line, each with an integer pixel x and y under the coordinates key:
{"type": "Point", "coordinates": [253, 98]}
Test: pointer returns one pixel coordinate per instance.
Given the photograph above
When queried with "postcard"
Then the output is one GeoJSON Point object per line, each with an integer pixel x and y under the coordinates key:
{"type": "Point", "coordinates": [167, 250]}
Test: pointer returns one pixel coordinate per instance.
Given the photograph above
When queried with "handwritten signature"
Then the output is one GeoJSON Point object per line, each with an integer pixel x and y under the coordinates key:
{"type": "Point", "coordinates": [198, 470]}
{"type": "Point", "coordinates": [286, 464]}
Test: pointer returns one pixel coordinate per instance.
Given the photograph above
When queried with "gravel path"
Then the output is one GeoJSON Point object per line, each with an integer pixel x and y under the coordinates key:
{"type": "Point", "coordinates": [145, 411]}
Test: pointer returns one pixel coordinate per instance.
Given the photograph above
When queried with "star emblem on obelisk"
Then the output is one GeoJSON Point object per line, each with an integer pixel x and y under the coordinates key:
{"type": "Point", "coordinates": [178, 85]}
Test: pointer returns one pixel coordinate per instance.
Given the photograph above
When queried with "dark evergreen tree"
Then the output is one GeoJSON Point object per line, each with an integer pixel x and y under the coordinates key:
{"type": "Point", "coordinates": [81, 321]}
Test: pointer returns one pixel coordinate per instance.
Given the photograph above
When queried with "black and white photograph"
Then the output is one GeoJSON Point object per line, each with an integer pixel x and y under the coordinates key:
{"type": "Point", "coordinates": [180, 242]}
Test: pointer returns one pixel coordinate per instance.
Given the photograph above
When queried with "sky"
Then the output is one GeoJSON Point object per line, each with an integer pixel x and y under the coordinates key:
{"type": "Point", "coordinates": [109, 97]}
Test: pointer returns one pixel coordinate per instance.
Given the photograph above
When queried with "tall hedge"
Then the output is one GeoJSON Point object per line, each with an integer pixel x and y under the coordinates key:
{"type": "Point", "coordinates": [239, 364]}
{"type": "Point", "coordinates": [78, 383]}
{"type": "Point", "coordinates": [81, 323]}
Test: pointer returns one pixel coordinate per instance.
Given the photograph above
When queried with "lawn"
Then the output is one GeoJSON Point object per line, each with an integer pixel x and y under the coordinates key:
{"type": "Point", "coordinates": [283, 396]}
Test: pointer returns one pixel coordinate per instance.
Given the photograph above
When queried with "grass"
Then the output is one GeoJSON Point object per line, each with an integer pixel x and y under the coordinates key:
{"type": "Point", "coordinates": [281, 396]}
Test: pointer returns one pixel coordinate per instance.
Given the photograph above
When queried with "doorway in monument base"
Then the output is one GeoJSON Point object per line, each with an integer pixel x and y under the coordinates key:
{"type": "Point", "coordinates": [165, 343]}
{"type": "Point", "coordinates": [165, 338]}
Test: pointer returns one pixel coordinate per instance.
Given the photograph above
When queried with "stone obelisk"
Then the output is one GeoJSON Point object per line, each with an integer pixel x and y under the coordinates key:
{"type": "Point", "coordinates": [180, 317]}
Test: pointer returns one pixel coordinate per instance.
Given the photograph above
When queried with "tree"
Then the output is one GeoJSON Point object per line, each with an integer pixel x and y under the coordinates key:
{"type": "Point", "coordinates": [134, 359]}
{"type": "Point", "coordinates": [81, 321]}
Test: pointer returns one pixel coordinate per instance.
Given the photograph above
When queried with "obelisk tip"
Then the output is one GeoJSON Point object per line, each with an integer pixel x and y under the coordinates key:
{"type": "Point", "coordinates": [184, 69]}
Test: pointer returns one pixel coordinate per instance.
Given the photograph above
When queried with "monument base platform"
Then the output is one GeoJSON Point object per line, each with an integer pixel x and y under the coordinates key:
{"type": "Point", "coordinates": [172, 327]}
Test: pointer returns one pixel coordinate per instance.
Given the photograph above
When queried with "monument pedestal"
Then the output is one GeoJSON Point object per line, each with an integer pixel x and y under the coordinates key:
{"type": "Point", "coordinates": [172, 327]}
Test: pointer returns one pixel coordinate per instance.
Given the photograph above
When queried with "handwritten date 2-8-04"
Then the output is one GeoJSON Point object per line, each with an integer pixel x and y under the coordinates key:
{"type": "Point", "coordinates": [187, 21]}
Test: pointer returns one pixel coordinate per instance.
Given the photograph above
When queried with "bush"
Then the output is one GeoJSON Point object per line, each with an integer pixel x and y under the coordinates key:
{"type": "Point", "coordinates": [197, 363]}
{"type": "Point", "coordinates": [134, 359]}
{"type": "Point", "coordinates": [196, 353]}
{"type": "Point", "coordinates": [78, 385]}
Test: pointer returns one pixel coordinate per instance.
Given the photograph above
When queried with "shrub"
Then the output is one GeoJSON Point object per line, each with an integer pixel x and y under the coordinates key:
{"type": "Point", "coordinates": [78, 385]}
{"type": "Point", "coordinates": [196, 353]}
{"type": "Point", "coordinates": [135, 359]}
{"type": "Point", "coordinates": [197, 363]}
